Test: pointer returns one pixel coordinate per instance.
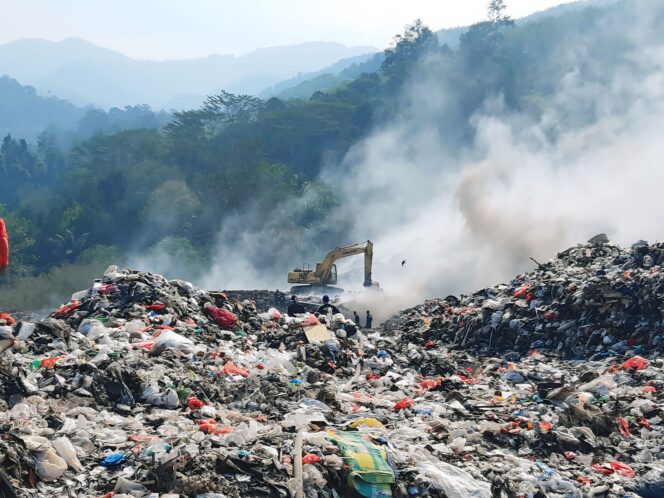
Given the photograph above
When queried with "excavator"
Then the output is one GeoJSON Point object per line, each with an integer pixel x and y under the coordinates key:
{"type": "Point", "coordinates": [325, 274]}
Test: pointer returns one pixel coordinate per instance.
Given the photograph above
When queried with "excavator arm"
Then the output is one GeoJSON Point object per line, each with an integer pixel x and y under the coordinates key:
{"type": "Point", "coordinates": [323, 270]}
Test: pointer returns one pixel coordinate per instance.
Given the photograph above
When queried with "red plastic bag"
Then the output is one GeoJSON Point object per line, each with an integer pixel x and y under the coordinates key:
{"type": "Point", "coordinates": [7, 318]}
{"type": "Point", "coordinates": [623, 469]}
{"type": "Point", "coordinates": [618, 467]}
{"type": "Point", "coordinates": [637, 362]}
{"type": "Point", "coordinates": [310, 459]}
{"type": "Point", "coordinates": [403, 404]}
{"type": "Point", "coordinates": [65, 310]}
{"type": "Point", "coordinates": [222, 317]}
{"type": "Point", "coordinates": [4, 247]}
{"type": "Point", "coordinates": [194, 403]}
{"type": "Point", "coordinates": [623, 426]}
{"type": "Point", "coordinates": [311, 321]}
{"type": "Point", "coordinates": [522, 291]}
{"type": "Point", "coordinates": [50, 362]}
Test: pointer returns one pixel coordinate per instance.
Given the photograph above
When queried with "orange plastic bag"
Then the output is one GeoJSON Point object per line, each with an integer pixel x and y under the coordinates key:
{"type": "Point", "coordinates": [231, 369]}
{"type": "Point", "coordinates": [7, 318]}
{"type": "Point", "coordinates": [210, 426]}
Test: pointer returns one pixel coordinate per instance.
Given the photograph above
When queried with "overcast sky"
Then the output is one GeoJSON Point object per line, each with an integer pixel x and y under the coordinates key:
{"type": "Point", "coordinates": [177, 29]}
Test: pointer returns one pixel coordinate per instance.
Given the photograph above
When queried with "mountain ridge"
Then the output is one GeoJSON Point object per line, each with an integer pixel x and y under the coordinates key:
{"type": "Point", "coordinates": [57, 67]}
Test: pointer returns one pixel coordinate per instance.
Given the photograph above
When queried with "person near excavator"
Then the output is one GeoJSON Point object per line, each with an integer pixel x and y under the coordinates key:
{"type": "Point", "coordinates": [295, 308]}
{"type": "Point", "coordinates": [369, 320]}
{"type": "Point", "coordinates": [324, 308]}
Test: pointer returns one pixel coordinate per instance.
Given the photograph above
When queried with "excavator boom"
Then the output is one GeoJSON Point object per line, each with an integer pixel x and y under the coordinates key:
{"type": "Point", "coordinates": [325, 272]}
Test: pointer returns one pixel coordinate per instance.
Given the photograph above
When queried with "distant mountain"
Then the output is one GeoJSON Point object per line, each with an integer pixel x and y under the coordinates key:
{"type": "Point", "coordinates": [25, 114]}
{"type": "Point", "coordinates": [84, 73]}
{"type": "Point", "coordinates": [303, 85]}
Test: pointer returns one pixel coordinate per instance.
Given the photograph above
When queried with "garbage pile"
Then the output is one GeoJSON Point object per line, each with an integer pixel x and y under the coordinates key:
{"type": "Point", "coordinates": [145, 387]}
{"type": "Point", "coordinates": [592, 301]}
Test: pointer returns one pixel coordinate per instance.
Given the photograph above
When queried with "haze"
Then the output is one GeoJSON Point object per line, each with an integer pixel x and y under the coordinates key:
{"type": "Point", "coordinates": [179, 29]}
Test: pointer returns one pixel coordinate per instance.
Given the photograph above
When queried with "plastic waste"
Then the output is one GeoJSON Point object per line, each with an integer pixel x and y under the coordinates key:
{"type": "Point", "coordinates": [453, 481]}
{"type": "Point", "coordinates": [48, 465]}
{"type": "Point", "coordinates": [66, 450]}
{"type": "Point", "coordinates": [113, 460]}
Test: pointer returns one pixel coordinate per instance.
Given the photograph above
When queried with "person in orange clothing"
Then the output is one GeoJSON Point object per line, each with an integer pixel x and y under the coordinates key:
{"type": "Point", "coordinates": [7, 340]}
{"type": "Point", "coordinates": [4, 247]}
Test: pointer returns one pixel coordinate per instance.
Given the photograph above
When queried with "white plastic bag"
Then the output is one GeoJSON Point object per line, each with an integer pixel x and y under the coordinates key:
{"type": "Point", "coordinates": [49, 466]}
{"type": "Point", "coordinates": [172, 340]}
{"type": "Point", "coordinates": [453, 481]}
{"type": "Point", "coordinates": [66, 450]}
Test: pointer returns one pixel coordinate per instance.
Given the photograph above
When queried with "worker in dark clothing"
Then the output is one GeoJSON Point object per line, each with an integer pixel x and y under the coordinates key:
{"type": "Point", "coordinates": [295, 308]}
{"type": "Point", "coordinates": [356, 318]}
{"type": "Point", "coordinates": [279, 298]}
{"type": "Point", "coordinates": [369, 319]}
{"type": "Point", "coordinates": [323, 308]}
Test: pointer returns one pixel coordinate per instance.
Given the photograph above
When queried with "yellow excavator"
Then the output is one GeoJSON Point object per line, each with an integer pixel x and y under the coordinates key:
{"type": "Point", "coordinates": [325, 274]}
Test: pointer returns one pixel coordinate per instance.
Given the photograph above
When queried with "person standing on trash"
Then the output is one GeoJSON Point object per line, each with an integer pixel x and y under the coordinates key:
{"type": "Point", "coordinates": [326, 306]}
{"type": "Point", "coordinates": [369, 320]}
{"type": "Point", "coordinates": [279, 298]}
{"type": "Point", "coordinates": [356, 319]}
{"type": "Point", "coordinates": [295, 308]}
{"type": "Point", "coordinates": [4, 247]}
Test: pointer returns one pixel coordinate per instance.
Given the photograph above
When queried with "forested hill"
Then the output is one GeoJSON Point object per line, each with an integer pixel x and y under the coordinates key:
{"type": "Point", "coordinates": [170, 190]}
{"type": "Point", "coordinates": [27, 115]}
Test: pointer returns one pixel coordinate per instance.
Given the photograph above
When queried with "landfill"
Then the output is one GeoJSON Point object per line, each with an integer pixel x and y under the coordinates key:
{"type": "Point", "coordinates": [547, 386]}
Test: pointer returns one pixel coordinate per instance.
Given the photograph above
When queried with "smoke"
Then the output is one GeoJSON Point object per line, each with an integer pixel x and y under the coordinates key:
{"type": "Point", "coordinates": [465, 215]}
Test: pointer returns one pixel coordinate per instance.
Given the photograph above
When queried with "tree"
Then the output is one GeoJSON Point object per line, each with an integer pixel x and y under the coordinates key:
{"type": "Point", "coordinates": [407, 49]}
{"type": "Point", "coordinates": [67, 246]}
{"type": "Point", "coordinates": [497, 19]}
{"type": "Point", "coordinates": [218, 111]}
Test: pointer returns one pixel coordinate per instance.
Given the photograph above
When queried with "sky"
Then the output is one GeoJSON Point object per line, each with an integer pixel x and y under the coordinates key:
{"type": "Point", "coordinates": [181, 29]}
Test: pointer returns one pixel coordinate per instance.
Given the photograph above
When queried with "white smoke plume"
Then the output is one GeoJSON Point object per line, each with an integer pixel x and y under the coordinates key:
{"type": "Point", "coordinates": [464, 218]}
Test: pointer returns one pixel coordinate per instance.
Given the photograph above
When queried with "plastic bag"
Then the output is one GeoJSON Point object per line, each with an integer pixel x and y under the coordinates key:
{"type": "Point", "coordinates": [49, 466]}
{"type": "Point", "coordinates": [310, 321]}
{"type": "Point", "coordinates": [273, 314]}
{"type": "Point", "coordinates": [455, 482]}
{"type": "Point", "coordinates": [231, 368]}
{"type": "Point", "coordinates": [169, 399]}
{"type": "Point", "coordinates": [636, 362]}
{"type": "Point", "coordinates": [222, 317]}
{"type": "Point", "coordinates": [66, 450]}
{"type": "Point", "coordinates": [169, 339]}
{"type": "Point", "coordinates": [124, 485]}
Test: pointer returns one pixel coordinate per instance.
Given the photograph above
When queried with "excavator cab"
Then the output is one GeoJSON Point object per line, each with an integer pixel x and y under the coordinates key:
{"type": "Point", "coordinates": [332, 280]}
